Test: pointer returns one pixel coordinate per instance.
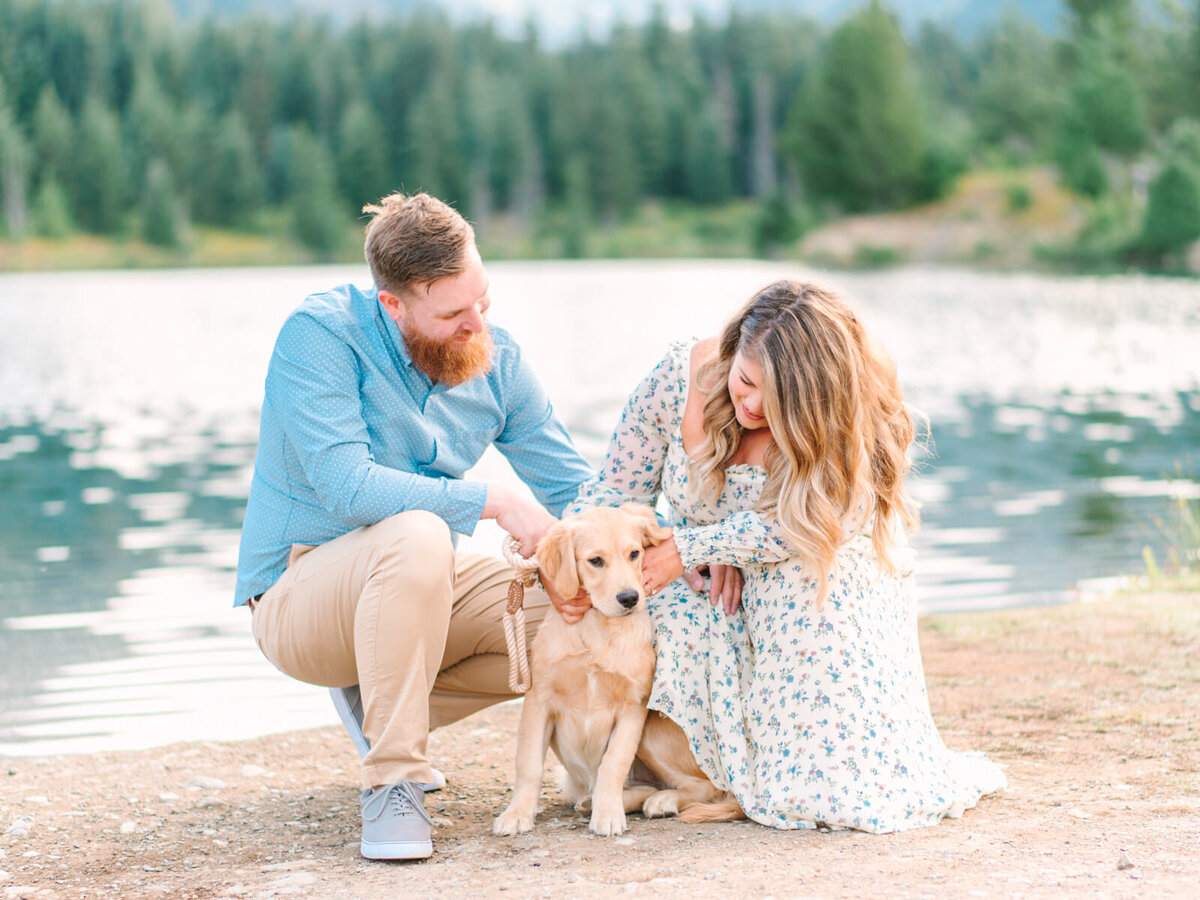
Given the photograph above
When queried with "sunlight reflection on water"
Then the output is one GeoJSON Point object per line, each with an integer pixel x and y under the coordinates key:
{"type": "Point", "coordinates": [1060, 409]}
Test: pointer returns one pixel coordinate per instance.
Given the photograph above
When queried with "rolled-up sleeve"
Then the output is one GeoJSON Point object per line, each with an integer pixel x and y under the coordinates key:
{"type": "Point", "coordinates": [536, 443]}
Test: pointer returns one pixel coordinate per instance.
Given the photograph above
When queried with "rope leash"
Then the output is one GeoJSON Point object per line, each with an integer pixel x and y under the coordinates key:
{"type": "Point", "coordinates": [514, 615]}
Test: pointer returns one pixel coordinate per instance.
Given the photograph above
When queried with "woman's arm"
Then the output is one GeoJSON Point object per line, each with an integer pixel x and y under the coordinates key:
{"type": "Point", "coordinates": [632, 467]}
{"type": "Point", "coordinates": [743, 538]}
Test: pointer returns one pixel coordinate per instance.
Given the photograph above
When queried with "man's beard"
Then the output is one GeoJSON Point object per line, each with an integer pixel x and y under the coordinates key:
{"type": "Point", "coordinates": [450, 362]}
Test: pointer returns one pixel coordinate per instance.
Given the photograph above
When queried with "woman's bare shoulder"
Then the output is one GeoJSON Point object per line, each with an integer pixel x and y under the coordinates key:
{"type": "Point", "coordinates": [704, 350]}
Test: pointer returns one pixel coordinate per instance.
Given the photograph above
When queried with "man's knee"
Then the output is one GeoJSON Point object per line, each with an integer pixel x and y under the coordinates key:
{"type": "Point", "coordinates": [415, 545]}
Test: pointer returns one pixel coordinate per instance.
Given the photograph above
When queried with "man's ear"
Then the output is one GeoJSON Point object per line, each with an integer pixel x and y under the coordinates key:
{"type": "Point", "coordinates": [652, 532]}
{"type": "Point", "coordinates": [556, 558]}
{"type": "Point", "coordinates": [394, 306]}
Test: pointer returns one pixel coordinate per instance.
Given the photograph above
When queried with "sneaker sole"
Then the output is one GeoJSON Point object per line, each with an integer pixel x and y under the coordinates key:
{"type": "Point", "coordinates": [396, 850]}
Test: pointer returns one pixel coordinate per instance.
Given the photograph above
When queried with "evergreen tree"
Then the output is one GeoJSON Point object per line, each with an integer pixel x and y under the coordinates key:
{"type": "Point", "coordinates": [436, 143]}
{"type": "Point", "coordinates": [99, 173]}
{"type": "Point", "coordinates": [1079, 162]}
{"type": "Point", "coordinates": [14, 171]}
{"type": "Point", "coordinates": [517, 177]}
{"type": "Point", "coordinates": [646, 116]}
{"type": "Point", "coordinates": [51, 213]}
{"type": "Point", "coordinates": [361, 166]}
{"type": "Point", "coordinates": [162, 218]}
{"type": "Point", "coordinates": [237, 191]}
{"type": "Point", "coordinates": [318, 214]}
{"type": "Point", "coordinates": [1086, 12]}
{"type": "Point", "coordinates": [705, 158]}
{"type": "Point", "coordinates": [776, 225]}
{"type": "Point", "coordinates": [152, 127]}
{"type": "Point", "coordinates": [1183, 142]}
{"type": "Point", "coordinates": [578, 209]}
{"type": "Point", "coordinates": [1015, 97]}
{"type": "Point", "coordinates": [53, 139]}
{"type": "Point", "coordinates": [1104, 94]}
{"type": "Point", "coordinates": [614, 174]}
{"type": "Point", "coordinates": [856, 131]}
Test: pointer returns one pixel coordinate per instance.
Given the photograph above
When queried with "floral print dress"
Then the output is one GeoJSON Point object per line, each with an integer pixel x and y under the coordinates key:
{"type": "Point", "coordinates": [808, 715]}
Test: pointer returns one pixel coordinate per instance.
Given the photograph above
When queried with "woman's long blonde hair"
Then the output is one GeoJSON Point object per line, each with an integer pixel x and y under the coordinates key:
{"type": "Point", "coordinates": [840, 427]}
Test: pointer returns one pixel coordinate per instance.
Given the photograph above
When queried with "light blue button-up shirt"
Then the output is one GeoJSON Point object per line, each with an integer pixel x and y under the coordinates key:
{"type": "Point", "coordinates": [352, 433]}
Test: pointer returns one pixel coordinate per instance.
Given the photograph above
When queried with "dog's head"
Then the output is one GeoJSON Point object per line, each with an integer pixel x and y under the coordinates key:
{"type": "Point", "coordinates": [600, 551]}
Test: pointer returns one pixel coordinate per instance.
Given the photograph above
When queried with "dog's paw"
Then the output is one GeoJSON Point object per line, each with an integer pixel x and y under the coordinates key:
{"type": "Point", "coordinates": [662, 803]}
{"type": "Point", "coordinates": [608, 823]}
{"type": "Point", "coordinates": [584, 804]}
{"type": "Point", "coordinates": [513, 821]}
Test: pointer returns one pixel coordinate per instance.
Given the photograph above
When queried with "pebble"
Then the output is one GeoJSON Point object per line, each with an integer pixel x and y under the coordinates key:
{"type": "Point", "coordinates": [210, 803]}
{"type": "Point", "coordinates": [204, 783]}
{"type": "Point", "coordinates": [128, 827]}
{"type": "Point", "coordinates": [253, 771]}
{"type": "Point", "coordinates": [20, 827]}
{"type": "Point", "coordinates": [168, 797]}
{"type": "Point", "coordinates": [1124, 862]}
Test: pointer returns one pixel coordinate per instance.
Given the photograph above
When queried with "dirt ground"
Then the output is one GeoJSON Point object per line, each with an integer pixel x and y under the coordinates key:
{"type": "Point", "coordinates": [1093, 709]}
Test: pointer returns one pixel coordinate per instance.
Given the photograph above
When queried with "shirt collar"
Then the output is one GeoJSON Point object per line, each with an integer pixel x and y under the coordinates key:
{"type": "Point", "coordinates": [392, 335]}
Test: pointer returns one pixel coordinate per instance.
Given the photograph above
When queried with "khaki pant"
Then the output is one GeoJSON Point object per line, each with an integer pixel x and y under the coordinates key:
{"type": "Point", "coordinates": [391, 607]}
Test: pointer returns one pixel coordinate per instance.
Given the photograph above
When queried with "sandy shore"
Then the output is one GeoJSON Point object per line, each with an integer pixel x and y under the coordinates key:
{"type": "Point", "coordinates": [1094, 710]}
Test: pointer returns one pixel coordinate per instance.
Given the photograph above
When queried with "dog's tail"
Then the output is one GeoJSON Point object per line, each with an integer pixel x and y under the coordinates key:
{"type": "Point", "coordinates": [726, 809]}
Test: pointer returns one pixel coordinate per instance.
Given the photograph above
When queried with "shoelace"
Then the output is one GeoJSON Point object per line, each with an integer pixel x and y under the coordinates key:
{"type": "Point", "coordinates": [405, 797]}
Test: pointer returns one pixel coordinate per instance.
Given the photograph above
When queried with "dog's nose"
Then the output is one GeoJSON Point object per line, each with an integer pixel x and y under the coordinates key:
{"type": "Point", "coordinates": [628, 599]}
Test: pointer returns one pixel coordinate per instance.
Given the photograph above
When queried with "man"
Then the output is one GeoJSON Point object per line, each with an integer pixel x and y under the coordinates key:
{"type": "Point", "coordinates": [376, 404]}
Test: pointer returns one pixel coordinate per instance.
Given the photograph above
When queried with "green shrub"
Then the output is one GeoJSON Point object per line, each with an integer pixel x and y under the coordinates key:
{"type": "Point", "coordinates": [1172, 220]}
{"type": "Point", "coordinates": [1018, 196]}
{"type": "Point", "coordinates": [869, 256]}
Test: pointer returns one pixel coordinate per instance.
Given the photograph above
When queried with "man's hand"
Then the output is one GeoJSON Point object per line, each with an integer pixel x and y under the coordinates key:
{"type": "Point", "coordinates": [524, 519]}
{"type": "Point", "coordinates": [571, 609]}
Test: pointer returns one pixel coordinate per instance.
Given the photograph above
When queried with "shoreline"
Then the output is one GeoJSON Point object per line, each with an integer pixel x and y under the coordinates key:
{"type": "Point", "coordinates": [1090, 708]}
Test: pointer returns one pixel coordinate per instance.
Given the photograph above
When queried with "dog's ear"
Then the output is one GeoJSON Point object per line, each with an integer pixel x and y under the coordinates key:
{"type": "Point", "coordinates": [652, 532]}
{"type": "Point", "coordinates": [556, 558]}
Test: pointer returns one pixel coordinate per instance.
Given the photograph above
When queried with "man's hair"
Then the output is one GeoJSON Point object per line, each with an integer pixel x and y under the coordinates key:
{"type": "Point", "coordinates": [413, 240]}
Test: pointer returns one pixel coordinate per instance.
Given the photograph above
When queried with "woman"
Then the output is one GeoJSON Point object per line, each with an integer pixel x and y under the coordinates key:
{"type": "Point", "coordinates": [780, 448]}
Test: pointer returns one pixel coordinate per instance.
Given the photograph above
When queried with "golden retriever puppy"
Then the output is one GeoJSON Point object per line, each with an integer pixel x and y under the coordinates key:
{"type": "Point", "coordinates": [591, 681]}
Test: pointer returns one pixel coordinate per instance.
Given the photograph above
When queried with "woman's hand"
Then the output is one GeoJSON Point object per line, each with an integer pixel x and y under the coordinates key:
{"type": "Point", "coordinates": [660, 566]}
{"type": "Point", "coordinates": [725, 587]}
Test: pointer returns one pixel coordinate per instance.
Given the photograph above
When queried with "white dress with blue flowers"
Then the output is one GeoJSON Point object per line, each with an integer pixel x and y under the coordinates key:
{"type": "Point", "coordinates": [808, 715]}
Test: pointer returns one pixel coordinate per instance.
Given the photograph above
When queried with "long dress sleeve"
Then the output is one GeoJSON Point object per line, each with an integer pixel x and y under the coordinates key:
{"type": "Point", "coordinates": [632, 467]}
{"type": "Point", "coordinates": [742, 538]}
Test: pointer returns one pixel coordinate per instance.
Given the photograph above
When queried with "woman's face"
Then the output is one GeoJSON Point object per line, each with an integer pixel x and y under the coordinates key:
{"type": "Point", "coordinates": [745, 390]}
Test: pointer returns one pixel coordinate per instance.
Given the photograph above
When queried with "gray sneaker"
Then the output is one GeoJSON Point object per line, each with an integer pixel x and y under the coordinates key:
{"type": "Point", "coordinates": [395, 824]}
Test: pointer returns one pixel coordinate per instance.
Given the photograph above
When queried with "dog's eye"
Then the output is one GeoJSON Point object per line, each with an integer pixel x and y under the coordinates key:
{"type": "Point", "coordinates": [597, 561]}
{"type": "Point", "coordinates": [635, 554]}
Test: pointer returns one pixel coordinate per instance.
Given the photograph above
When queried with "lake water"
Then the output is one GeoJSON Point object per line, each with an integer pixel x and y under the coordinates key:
{"type": "Point", "coordinates": [1065, 415]}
